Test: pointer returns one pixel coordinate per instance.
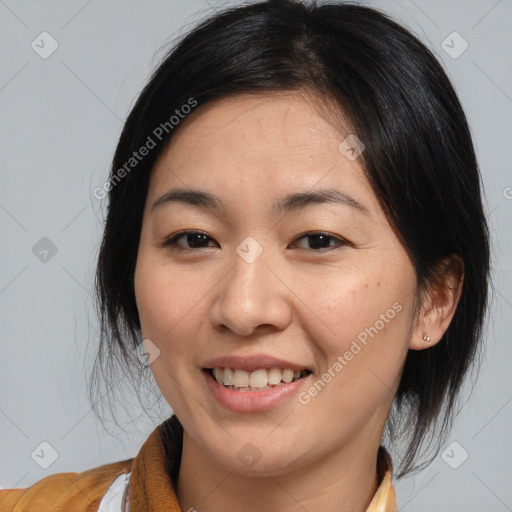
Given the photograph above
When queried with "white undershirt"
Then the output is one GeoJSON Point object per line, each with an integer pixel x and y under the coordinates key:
{"type": "Point", "coordinates": [111, 502]}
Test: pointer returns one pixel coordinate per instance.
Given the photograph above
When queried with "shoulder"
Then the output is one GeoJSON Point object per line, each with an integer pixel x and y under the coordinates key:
{"type": "Point", "coordinates": [65, 492]}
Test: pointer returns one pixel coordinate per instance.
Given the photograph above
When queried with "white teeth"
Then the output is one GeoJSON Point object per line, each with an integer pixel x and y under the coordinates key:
{"type": "Point", "coordinates": [228, 377]}
{"type": "Point", "coordinates": [260, 379]}
{"type": "Point", "coordinates": [288, 375]}
{"type": "Point", "coordinates": [241, 379]}
{"type": "Point", "coordinates": [274, 376]}
{"type": "Point", "coordinates": [217, 373]}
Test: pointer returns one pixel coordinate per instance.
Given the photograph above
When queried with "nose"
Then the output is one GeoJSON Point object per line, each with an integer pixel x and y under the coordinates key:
{"type": "Point", "coordinates": [252, 298]}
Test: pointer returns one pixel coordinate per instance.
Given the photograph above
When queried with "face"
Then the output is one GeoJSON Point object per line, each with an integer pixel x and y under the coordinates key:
{"type": "Point", "coordinates": [319, 288]}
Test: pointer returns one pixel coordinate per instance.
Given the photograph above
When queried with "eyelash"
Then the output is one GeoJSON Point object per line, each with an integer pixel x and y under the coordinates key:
{"type": "Point", "coordinates": [172, 244]}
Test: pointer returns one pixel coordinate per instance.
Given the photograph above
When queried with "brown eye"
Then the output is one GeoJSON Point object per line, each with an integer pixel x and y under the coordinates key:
{"type": "Point", "coordinates": [193, 240]}
{"type": "Point", "coordinates": [321, 241]}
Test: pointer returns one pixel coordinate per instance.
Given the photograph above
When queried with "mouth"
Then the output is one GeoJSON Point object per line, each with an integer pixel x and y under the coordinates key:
{"type": "Point", "coordinates": [262, 379]}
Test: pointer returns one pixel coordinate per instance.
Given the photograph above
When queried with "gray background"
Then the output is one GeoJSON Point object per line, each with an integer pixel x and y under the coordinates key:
{"type": "Point", "coordinates": [60, 120]}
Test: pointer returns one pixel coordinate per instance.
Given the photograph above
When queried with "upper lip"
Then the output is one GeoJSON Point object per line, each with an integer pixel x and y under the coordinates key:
{"type": "Point", "coordinates": [251, 363]}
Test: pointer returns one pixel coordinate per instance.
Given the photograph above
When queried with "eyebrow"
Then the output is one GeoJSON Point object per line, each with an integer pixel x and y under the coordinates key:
{"type": "Point", "coordinates": [291, 202]}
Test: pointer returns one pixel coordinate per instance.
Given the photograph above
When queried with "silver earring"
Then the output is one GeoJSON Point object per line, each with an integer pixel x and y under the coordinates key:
{"type": "Point", "coordinates": [426, 337]}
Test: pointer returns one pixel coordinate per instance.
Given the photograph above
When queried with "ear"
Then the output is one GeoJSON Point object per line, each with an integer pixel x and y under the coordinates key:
{"type": "Point", "coordinates": [437, 309]}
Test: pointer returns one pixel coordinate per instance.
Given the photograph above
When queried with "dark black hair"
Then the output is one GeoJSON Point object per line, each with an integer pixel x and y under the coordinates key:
{"type": "Point", "coordinates": [419, 160]}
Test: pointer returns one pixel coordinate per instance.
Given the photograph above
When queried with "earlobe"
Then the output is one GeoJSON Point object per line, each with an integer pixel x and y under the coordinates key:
{"type": "Point", "coordinates": [424, 336]}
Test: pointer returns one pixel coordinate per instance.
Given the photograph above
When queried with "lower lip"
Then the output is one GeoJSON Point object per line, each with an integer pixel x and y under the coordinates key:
{"type": "Point", "coordinates": [253, 401]}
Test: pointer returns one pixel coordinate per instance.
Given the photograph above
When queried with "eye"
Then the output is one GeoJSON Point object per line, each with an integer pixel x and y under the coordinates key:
{"type": "Point", "coordinates": [320, 241]}
{"type": "Point", "coordinates": [194, 239]}
{"type": "Point", "coordinates": [198, 240]}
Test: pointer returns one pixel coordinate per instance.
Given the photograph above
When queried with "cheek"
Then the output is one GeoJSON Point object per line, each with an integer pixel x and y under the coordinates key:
{"type": "Point", "coordinates": [363, 357]}
{"type": "Point", "coordinates": [365, 323]}
{"type": "Point", "coordinates": [168, 306]}
{"type": "Point", "coordinates": [347, 310]}
{"type": "Point", "coordinates": [167, 302]}
{"type": "Point", "coordinates": [363, 353]}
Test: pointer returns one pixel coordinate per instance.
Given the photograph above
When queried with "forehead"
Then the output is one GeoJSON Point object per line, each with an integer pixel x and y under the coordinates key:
{"type": "Point", "coordinates": [270, 144]}
{"type": "Point", "coordinates": [295, 117]}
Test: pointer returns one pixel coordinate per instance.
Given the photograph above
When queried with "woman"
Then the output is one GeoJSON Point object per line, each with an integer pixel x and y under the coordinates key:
{"type": "Point", "coordinates": [296, 243]}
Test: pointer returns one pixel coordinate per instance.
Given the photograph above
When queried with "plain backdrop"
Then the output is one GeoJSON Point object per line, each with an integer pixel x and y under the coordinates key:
{"type": "Point", "coordinates": [60, 118]}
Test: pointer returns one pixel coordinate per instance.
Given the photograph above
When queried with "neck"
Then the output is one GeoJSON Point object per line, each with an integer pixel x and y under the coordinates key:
{"type": "Point", "coordinates": [345, 480]}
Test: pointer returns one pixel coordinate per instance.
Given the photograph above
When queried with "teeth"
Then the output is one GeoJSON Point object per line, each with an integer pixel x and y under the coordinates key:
{"type": "Point", "coordinates": [287, 375]}
{"type": "Point", "coordinates": [258, 379]}
{"type": "Point", "coordinates": [227, 377]}
{"type": "Point", "coordinates": [274, 376]}
{"type": "Point", "coordinates": [241, 379]}
{"type": "Point", "coordinates": [217, 373]}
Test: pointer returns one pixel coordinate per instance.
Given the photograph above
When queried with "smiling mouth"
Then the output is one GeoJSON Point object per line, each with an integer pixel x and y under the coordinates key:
{"type": "Point", "coordinates": [257, 380]}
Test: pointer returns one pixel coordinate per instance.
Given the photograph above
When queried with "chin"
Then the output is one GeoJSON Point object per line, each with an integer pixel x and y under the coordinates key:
{"type": "Point", "coordinates": [259, 459]}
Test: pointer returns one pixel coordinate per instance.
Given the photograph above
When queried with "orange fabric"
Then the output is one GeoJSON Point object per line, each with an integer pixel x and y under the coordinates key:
{"type": "Point", "coordinates": [150, 488]}
{"type": "Point", "coordinates": [64, 492]}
